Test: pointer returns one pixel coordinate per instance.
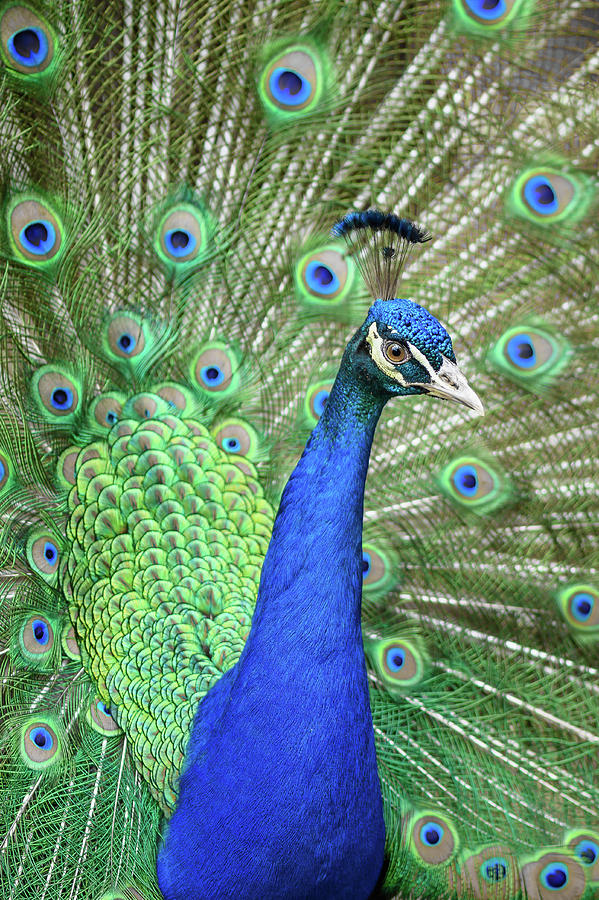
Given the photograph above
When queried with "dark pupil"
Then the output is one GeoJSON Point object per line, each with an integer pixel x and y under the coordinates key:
{"type": "Point", "coordinates": [490, 4]}
{"type": "Point", "coordinates": [525, 350]}
{"type": "Point", "coordinates": [39, 632]}
{"type": "Point", "coordinates": [179, 239]}
{"type": "Point", "coordinates": [496, 872]}
{"type": "Point", "coordinates": [589, 855]}
{"type": "Point", "coordinates": [545, 195]}
{"type": "Point", "coordinates": [557, 878]}
{"type": "Point", "coordinates": [40, 739]}
{"type": "Point", "coordinates": [212, 373]}
{"type": "Point", "coordinates": [323, 275]}
{"type": "Point", "coordinates": [365, 565]}
{"type": "Point", "coordinates": [397, 660]}
{"type": "Point", "coordinates": [584, 607]}
{"type": "Point", "coordinates": [49, 554]}
{"type": "Point", "coordinates": [125, 341]}
{"type": "Point", "coordinates": [469, 480]}
{"type": "Point", "coordinates": [36, 233]}
{"type": "Point", "coordinates": [26, 42]}
{"type": "Point", "coordinates": [290, 83]}
{"type": "Point", "coordinates": [60, 396]}
{"type": "Point", "coordinates": [111, 417]}
{"type": "Point", "coordinates": [395, 350]}
{"type": "Point", "coordinates": [432, 836]}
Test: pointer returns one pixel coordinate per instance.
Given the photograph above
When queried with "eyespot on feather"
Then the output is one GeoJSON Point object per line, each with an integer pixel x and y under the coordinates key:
{"type": "Point", "coordinates": [579, 605]}
{"type": "Point", "coordinates": [490, 873]}
{"type": "Point", "coordinates": [316, 399]}
{"type": "Point", "coordinates": [291, 83]}
{"type": "Point", "coordinates": [65, 469]}
{"type": "Point", "coordinates": [41, 743]}
{"type": "Point", "coordinates": [237, 436]}
{"type": "Point", "coordinates": [145, 406]}
{"type": "Point", "coordinates": [401, 664]}
{"type": "Point", "coordinates": [70, 645]}
{"type": "Point", "coordinates": [176, 395]}
{"type": "Point", "coordinates": [433, 838]}
{"type": "Point", "coordinates": [28, 43]}
{"type": "Point", "coordinates": [183, 236]}
{"type": "Point", "coordinates": [37, 636]}
{"type": "Point", "coordinates": [106, 410]}
{"type": "Point", "coordinates": [584, 843]}
{"type": "Point", "coordinates": [99, 716]}
{"type": "Point", "coordinates": [35, 230]}
{"type": "Point", "coordinates": [474, 484]}
{"type": "Point", "coordinates": [125, 336]}
{"type": "Point", "coordinates": [56, 393]}
{"type": "Point", "coordinates": [530, 355]}
{"type": "Point", "coordinates": [379, 568]}
{"type": "Point", "coordinates": [6, 470]}
{"type": "Point", "coordinates": [544, 195]}
{"type": "Point", "coordinates": [215, 369]}
{"type": "Point", "coordinates": [554, 874]}
{"type": "Point", "coordinates": [324, 277]}
{"type": "Point", "coordinates": [43, 554]}
{"type": "Point", "coordinates": [482, 16]}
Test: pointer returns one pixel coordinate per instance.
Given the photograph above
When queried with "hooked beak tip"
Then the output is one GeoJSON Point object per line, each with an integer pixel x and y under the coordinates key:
{"type": "Point", "coordinates": [470, 399]}
{"type": "Point", "coordinates": [473, 401]}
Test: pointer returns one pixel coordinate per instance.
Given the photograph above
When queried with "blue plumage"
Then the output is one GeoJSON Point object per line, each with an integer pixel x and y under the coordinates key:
{"type": "Point", "coordinates": [280, 796]}
{"type": "Point", "coordinates": [410, 711]}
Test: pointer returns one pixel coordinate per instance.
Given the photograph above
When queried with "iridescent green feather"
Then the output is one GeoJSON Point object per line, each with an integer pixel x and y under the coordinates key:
{"type": "Point", "coordinates": [167, 286]}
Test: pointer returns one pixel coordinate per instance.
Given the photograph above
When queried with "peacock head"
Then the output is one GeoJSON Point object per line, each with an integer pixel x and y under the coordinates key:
{"type": "Point", "coordinates": [401, 348]}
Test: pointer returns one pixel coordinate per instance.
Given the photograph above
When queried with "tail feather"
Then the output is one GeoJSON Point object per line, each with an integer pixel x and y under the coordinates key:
{"type": "Point", "coordinates": [185, 266]}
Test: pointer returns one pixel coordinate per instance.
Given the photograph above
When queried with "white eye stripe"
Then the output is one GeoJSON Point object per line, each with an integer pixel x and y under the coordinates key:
{"type": "Point", "coordinates": [375, 342]}
{"type": "Point", "coordinates": [421, 358]}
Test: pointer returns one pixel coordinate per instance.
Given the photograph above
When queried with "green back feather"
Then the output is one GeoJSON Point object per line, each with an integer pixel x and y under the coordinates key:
{"type": "Point", "coordinates": [156, 391]}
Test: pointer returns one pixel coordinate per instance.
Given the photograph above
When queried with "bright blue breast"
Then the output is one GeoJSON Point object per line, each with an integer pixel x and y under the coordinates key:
{"type": "Point", "coordinates": [281, 797]}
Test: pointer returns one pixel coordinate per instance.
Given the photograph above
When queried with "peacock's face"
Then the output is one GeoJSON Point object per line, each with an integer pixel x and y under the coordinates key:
{"type": "Point", "coordinates": [409, 352]}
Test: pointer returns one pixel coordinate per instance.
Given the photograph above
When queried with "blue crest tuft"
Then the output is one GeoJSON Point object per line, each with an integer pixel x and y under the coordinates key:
{"type": "Point", "coordinates": [379, 244]}
{"type": "Point", "coordinates": [376, 220]}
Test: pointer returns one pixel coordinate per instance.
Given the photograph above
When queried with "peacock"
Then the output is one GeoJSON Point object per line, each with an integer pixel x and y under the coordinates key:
{"type": "Point", "coordinates": [299, 539]}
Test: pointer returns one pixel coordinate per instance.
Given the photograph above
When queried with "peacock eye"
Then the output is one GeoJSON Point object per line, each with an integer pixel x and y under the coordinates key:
{"type": "Point", "coordinates": [395, 352]}
{"type": "Point", "coordinates": [26, 41]}
{"type": "Point", "coordinates": [40, 744]}
{"type": "Point", "coordinates": [293, 82]}
{"type": "Point", "coordinates": [36, 231]}
{"type": "Point", "coordinates": [555, 876]}
{"type": "Point", "coordinates": [579, 604]}
{"type": "Point", "coordinates": [434, 838]}
{"type": "Point", "coordinates": [587, 851]}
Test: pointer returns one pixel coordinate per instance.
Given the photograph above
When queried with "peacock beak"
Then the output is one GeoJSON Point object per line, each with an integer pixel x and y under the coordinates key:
{"type": "Point", "coordinates": [450, 384]}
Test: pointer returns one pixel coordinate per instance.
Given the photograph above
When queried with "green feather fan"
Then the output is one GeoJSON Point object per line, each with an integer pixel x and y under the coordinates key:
{"type": "Point", "coordinates": [172, 315]}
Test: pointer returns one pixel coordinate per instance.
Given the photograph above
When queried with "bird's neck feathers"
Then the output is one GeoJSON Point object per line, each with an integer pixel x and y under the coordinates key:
{"type": "Point", "coordinates": [311, 580]}
{"type": "Point", "coordinates": [295, 709]}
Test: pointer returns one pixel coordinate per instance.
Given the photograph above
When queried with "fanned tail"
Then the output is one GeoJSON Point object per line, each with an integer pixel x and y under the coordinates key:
{"type": "Point", "coordinates": [170, 173]}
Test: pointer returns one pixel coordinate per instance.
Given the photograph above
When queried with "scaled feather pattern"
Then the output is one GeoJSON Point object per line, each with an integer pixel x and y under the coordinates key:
{"type": "Point", "coordinates": [248, 646]}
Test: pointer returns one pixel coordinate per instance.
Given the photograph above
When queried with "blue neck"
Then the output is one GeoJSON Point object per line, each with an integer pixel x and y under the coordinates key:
{"type": "Point", "coordinates": [315, 553]}
{"type": "Point", "coordinates": [280, 796]}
